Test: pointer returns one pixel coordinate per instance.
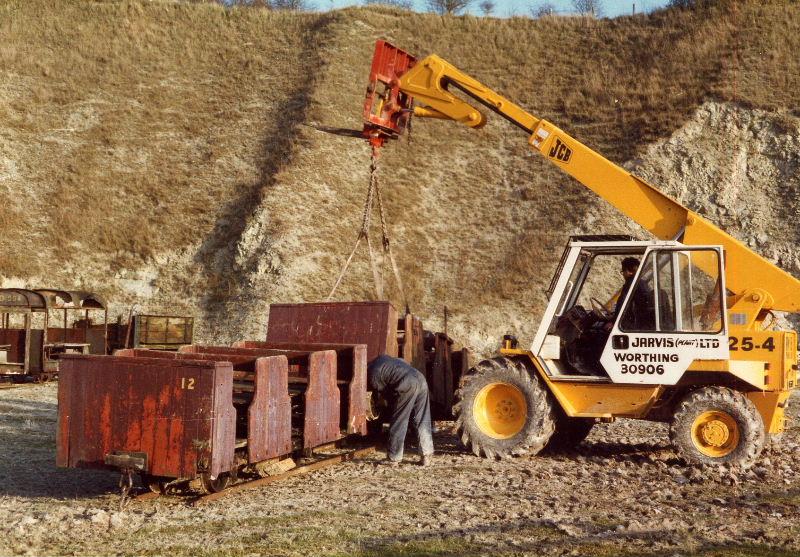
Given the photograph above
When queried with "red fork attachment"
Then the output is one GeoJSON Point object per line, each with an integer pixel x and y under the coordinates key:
{"type": "Point", "coordinates": [387, 110]}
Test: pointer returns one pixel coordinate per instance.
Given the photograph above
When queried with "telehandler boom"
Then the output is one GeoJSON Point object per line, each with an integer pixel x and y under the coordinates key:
{"type": "Point", "coordinates": [691, 340]}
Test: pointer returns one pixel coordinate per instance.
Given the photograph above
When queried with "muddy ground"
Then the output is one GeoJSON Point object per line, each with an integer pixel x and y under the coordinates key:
{"type": "Point", "coordinates": [623, 492]}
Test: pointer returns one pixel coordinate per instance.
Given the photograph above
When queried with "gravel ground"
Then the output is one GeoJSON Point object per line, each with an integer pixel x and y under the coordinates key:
{"type": "Point", "coordinates": [622, 492]}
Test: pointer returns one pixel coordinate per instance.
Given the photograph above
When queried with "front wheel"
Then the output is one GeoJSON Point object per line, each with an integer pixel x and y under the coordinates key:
{"type": "Point", "coordinates": [716, 425]}
{"type": "Point", "coordinates": [503, 409]}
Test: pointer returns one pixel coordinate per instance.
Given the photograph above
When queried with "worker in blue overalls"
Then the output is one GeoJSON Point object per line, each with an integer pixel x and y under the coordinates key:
{"type": "Point", "coordinates": [406, 389]}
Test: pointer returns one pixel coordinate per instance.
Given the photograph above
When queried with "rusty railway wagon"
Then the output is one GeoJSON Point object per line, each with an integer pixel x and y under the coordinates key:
{"type": "Point", "coordinates": [31, 340]}
{"type": "Point", "coordinates": [207, 411]}
{"type": "Point", "coordinates": [156, 332]}
{"type": "Point", "coordinates": [214, 412]}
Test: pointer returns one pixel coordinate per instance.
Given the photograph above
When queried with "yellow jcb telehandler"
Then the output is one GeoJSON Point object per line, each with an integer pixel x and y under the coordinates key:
{"type": "Point", "coordinates": [691, 341]}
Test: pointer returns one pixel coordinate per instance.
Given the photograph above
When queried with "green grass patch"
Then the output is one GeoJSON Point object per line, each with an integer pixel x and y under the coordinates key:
{"type": "Point", "coordinates": [748, 550]}
{"type": "Point", "coordinates": [437, 547]}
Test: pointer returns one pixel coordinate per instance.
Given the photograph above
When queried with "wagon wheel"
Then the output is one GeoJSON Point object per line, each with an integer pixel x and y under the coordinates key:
{"type": "Point", "coordinates": [209, 485]}
{"type": "Point", "coordinates": [156, 484]}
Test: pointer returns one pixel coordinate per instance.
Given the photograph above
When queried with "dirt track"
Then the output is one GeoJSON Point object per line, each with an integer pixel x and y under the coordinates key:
{"type": "Point", "coordinates": [622, 492]}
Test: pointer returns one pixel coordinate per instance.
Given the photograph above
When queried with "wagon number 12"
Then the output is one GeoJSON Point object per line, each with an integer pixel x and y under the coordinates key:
{"type": "Point", "coordinates": [747, 344]}
{"type": "Point", "coordinates": [187, 383]}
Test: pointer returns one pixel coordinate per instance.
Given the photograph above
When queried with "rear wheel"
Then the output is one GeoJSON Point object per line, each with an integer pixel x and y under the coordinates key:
{"type": "Point", "coordinates": [503, 409]}
{"type": "Point", "coordinates": [715, 425]}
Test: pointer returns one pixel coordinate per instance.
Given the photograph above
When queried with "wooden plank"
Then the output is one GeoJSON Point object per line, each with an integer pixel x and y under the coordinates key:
{"type": "Point", "coordinates": [449, 387]}
{"type": "Point", "coordinates": [269, 416]}
{"type": "Point", "coordinates": [223, 434]}
{"type": "Point", "coordinates": [65, 383]}
{"type": "Point", "coordinates": [145, 353]}
{"type": "Point", "coordinates": [15, 339]}
{"type": "Point", "coordinates": [357, 391]}
{"type": "Point", "coordinates": [407, 350]}
{"type": "Point", "coordinates": [321, 419]}
{"type": "Point", "coordinates": [436, 381]}
{"type": "Point", "coordinates": [244, 350]}
{"type": "Point", "coordinates": [418, 352]}
{"type": "Point", "coordinates": [460, 365]}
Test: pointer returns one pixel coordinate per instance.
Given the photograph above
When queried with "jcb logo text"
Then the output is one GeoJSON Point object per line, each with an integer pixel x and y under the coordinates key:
{"type": "Point", "coordinates": [560, 151]}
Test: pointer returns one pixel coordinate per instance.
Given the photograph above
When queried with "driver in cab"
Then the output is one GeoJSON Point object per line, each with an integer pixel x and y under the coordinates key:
{"type": "Point", "coordinates": [640, 302]}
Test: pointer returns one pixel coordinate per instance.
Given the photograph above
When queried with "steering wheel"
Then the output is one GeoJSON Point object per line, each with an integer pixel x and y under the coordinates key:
{"type": "Point", "coordinates": [600, 310]}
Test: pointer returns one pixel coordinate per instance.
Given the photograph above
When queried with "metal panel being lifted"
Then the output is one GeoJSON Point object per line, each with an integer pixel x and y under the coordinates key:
{"type": "Point", "coordinates": [370, 323]}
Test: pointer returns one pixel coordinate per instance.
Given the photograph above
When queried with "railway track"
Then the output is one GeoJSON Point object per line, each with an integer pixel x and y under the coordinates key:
{"type": "Point", "coordinates": [324, 462]}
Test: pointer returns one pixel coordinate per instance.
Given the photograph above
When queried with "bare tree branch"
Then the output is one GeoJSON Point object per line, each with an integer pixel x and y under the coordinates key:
{"type": "Point", "coordinates": [543, 10]}
{"type": "Point", "coordinates": [592, 8]}
{"type": "Point", "coordinates": [291, 5]}
{"type": "Point", "coordinates": [448, 6]}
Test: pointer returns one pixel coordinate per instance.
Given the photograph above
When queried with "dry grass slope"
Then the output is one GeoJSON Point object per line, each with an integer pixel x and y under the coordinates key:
{"type": "Point", "coordinates": [164, 152]}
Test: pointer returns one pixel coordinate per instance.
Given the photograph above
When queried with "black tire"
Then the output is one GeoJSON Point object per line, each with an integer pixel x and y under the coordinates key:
{"type": "Point", "coordinates": [570, 432]}
{"type": "Point", "coordinates": [539, 419]}
{"type": "Point", "coordinates": [744, 446]}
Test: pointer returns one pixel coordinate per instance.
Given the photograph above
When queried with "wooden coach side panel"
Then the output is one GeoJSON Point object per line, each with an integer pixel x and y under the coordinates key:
{"type": "Point", "coordinates": [15, 339]}
{"type": "Point", "coordinates": [321, 420]}
{"type": "Point", "coordinates": [269, 416]}
{"type": "Point", "coordinates": [314, 372]}
{"type": "Point", "coordinates": [351, 369]}
{"type": "Point", "coordinates": [357, 390]}
{"type": "Point", "coordinates": [178, 413]}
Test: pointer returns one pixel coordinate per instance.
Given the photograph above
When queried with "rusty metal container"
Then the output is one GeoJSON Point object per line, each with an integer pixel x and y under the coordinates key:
{"type": "Point", "coordinates": [155, 416]}
{"type": "Point", "coordinates": [211, 410]}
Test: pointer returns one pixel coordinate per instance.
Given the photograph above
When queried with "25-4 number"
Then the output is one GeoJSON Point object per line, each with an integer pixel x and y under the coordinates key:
{"type": "Point", "coordinates": [747, 345]}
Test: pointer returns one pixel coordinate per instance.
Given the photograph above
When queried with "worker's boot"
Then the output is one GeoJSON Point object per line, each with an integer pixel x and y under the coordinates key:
{"type": "Point", "coordinates": [427, 460]}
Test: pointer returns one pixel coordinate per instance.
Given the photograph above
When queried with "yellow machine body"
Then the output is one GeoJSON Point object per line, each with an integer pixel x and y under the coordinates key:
{"type": "Point", "coordinates": [761, 358]}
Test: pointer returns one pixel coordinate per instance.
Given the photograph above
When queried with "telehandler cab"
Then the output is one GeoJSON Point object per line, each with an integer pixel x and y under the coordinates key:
{"type": "Point", "coordinates": [692, 342]}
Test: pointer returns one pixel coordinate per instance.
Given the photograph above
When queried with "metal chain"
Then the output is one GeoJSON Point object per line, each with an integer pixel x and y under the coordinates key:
{"type": "Point", "coordinates": [388, 248]}
{"type": "Point", "coordinates": [373, 192]}
{"type": "Point", "coordinates": [365, 220]}
{"type": "Point", "coordinates": [363, 233]}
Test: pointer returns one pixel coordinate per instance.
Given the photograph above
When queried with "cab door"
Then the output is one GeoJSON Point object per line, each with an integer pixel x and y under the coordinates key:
{"type": "Point", "coordinates": [674, 313]}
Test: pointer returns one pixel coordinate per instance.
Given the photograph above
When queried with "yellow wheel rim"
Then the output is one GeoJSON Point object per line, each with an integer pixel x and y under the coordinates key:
{"type": "Point", "coordinates": [500, 410]}
{"type": "Point", "coordinates": [715, 433]}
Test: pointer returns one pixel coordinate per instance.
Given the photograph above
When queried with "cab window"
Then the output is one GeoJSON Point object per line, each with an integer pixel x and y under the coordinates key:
{"type": "Point", "coordinates": [675, 291]}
